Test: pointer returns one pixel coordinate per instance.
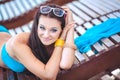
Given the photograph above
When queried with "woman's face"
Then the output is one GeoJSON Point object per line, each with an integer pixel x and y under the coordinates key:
{"type": "Point", "coordinates": [49, 30]}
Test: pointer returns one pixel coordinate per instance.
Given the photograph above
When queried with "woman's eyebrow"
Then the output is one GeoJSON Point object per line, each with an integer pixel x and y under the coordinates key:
{"type": "Point", "coordinates": [42, 25]}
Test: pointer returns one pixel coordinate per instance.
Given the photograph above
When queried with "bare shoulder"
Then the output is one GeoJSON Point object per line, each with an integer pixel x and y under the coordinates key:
{"type": "Point", "coordinates": [22, 37]}
{"type": "Point", "coordinates": [18, 45]}
{"type": "Point", "coordinates": [17, 42]}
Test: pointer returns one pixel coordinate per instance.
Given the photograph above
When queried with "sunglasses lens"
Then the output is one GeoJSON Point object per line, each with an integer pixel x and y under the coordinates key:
{"type": "Point", "coordinates": [58, 12]}
{"type": "Point", "coordinates": [45, 9]}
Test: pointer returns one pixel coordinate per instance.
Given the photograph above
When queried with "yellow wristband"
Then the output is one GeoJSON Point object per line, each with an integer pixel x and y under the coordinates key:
{"type": "Point", "coordinates": [59, 42]}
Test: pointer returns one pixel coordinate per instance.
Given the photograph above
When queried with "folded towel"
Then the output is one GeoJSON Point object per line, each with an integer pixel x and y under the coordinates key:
{"type": "Point", "coordinates": [94, 34]}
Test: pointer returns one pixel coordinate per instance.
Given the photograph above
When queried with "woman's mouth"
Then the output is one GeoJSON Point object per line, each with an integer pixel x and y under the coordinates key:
{"type": "Point", "coordinates": [46, 39]}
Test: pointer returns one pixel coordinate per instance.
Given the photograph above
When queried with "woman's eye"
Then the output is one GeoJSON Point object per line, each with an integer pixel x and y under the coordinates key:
{"type": "Point", "coordinates": [42, 28]}
{"type": "Point", "coordinates": [54, 30]}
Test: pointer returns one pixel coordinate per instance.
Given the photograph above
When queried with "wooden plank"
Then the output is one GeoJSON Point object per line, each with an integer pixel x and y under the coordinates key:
{"type": "Point", "coordinates": [10, 75]}
{"type": "Point", "coordinates": [21, 76]}
{"type": "Point", "coordinates": [107, 77]}
{"type": "Point", "coordinates": [1, 74]}
{"type": "Point", "coordinates": [3, 12]}
{"type": "Point", "coordinates": [116, 73]}
{"type": "Point", "coordinates": [83, 15]}
{"type": "Point", "coordinates": [9, 11]}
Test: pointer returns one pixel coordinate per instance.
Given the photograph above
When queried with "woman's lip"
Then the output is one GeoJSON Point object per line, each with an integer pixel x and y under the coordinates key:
{"type": "Point", "coordinates": [46, 39]}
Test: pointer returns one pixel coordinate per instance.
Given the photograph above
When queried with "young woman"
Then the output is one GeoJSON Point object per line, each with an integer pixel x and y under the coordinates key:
{"type": "Point", "coordinates": [47, 49]}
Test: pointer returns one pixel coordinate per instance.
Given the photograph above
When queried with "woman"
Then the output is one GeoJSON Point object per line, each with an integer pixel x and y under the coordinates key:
{"type": "Point", "coordinates": [47, 49]}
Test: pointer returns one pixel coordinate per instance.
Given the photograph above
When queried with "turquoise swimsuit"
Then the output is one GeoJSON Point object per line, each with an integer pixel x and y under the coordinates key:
{"type": "Point", "coordinates": [3, 29]}
{"type": "Point", "coordinates": [8, 60]}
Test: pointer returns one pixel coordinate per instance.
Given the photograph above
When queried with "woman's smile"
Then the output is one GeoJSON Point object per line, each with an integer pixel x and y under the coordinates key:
{"type": "Point", "coordinates": [47, 39]}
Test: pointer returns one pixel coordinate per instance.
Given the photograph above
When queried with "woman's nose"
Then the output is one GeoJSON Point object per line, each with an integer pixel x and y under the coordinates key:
{"type": "Point", "coordinates": [46, 34]}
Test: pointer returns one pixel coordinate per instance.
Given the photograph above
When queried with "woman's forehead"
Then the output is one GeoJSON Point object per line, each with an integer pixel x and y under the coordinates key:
{"type": "Point", "coordinates": [47, 21]}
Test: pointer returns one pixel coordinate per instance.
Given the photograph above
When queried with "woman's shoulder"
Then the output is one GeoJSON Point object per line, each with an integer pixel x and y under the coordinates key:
{"type": "Point", "coordinates": [19, 38]}
{"type": "Point", "coordinates": [15, 42]}
{"type": "Point", "coordinates": [22, 37]}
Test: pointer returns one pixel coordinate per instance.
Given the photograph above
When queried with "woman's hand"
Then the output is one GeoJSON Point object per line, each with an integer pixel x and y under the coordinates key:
{"type": "Point", "coordinates": [69, 22]}
{"type": "Point", "coordinates": [66, 29]}
{"type": "Point", "coordinates": [69, 16]}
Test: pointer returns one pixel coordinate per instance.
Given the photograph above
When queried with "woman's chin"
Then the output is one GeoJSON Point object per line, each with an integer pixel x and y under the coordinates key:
{"type": "Point", "coordinates": [47, 44]}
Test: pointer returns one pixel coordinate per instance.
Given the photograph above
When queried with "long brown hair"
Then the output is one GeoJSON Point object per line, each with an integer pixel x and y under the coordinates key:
{"type": "Point", "coordinates": [34, 42]}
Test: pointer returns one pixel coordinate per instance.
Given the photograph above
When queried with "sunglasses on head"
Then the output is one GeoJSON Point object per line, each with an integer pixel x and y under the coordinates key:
{"type": "Point", "coordinates": [47, 9]}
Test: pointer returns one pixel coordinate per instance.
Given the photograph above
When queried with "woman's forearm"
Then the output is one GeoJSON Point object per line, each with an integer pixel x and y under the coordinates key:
{"type": "Point", "coordinates": [52, 67]}
{"type": "Point", "coordinates": [68, 52]}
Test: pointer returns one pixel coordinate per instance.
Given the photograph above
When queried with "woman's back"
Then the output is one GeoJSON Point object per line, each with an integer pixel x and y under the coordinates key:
{"type": "Point", "coordinates": [9, 40]}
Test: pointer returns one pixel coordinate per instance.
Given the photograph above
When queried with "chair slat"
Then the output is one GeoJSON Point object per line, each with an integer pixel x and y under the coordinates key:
{"type": "Point", "coordinates": [15, 9]}
{"type": "Point", "coordinates": [116, 73]}
{"type": "Point", "coordinates": [25, 28]}
{"type": "Point", "coordinates": [3, 12]}
{"type": "Point", "coordinates": [12, 32]}
{"type": "Point", "coordinates": [10, 75]}
{"type": "Point", "coordinates": [83, 15]}
{"type": "Point", "coordinates": [97, 10]}
{"type": "Point", "coordinates": [33, 4]}
{"type": "Point", "coordinates": [97, 4]}
{"type": "Point", "coordinates": [20, 6]}
{"type": "Point", "coordinates": [26, 5]}
{"type": "Point", "coordinates": [85, 9]}
{"type": "Point", "coordinates": [9, 11]}
{"type": "Point", "coordinates": [1, 74]}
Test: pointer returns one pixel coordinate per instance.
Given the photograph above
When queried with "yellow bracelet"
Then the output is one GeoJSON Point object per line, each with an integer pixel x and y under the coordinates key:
{"type": "Point", "coordinates": [59, 42]}
{"type": "Point", "coordinates": [70, 45]}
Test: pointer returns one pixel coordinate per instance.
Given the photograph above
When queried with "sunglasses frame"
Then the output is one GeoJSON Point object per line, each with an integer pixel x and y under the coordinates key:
{"type": "Point", "coordinates": [51, 8]}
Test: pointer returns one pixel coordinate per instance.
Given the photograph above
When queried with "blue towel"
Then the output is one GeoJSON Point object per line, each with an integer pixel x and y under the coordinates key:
{"type": "Point", "coordinates": [94, 34]}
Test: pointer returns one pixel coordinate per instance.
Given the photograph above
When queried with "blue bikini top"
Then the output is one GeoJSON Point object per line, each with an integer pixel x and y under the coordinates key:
{"type": "Point", "coordinates": [10, 62]}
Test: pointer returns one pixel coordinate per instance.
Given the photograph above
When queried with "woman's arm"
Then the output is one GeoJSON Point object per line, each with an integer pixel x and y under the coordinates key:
{"type": "Point", "coordinates": [24, 54]}
{"type": "Point", "coordinates": [47, 71]}
{"type": "Point", "coordinates": [68, 54]}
